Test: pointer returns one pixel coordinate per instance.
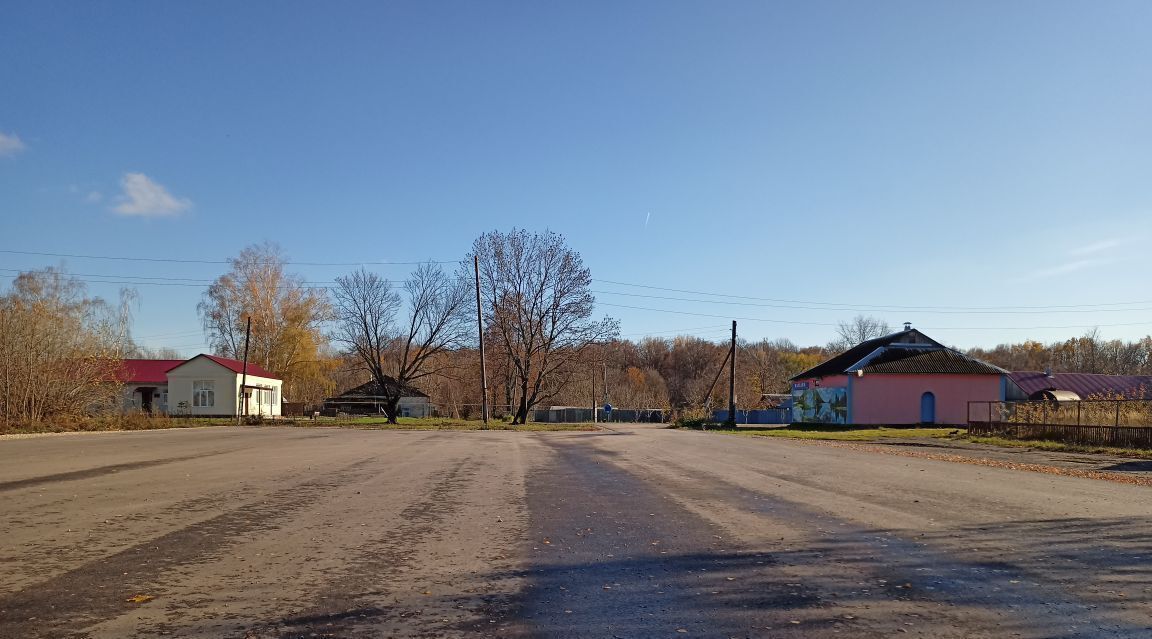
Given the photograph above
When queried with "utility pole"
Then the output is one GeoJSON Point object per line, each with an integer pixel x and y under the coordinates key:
{"type": "Point", "coordinates": [732, 378]}
{"type": "Point", "coordinates": [242, 409]}
{"type": "Point", "coordinates": [480, 331]}
{"type": "Point", "coordinates": [605, 380]}
{"type": "Point", "coordinates": [593, 396]}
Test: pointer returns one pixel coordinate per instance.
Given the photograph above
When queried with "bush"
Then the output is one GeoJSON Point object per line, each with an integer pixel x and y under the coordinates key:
{"type": "Point", "coordinates": [82, 424]}
{"type": "Point", "coordinates": [694, 418]}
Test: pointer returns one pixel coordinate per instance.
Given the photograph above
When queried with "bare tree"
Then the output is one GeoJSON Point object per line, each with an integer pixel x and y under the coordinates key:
{"type": "Point", "coordinates": [537, 301]}
{"type": "Point", "coordinates": [861, 329]}
{"type": "Point", "coordinates": [400, 353]}
{"type": "Point", "coordinates": [59, 349]}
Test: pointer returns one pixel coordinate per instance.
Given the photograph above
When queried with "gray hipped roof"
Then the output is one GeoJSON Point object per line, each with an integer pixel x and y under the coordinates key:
{"type": "Point", "coordinates": [908, 351]}
{"type": "Point", "coordinates": [369, 390]}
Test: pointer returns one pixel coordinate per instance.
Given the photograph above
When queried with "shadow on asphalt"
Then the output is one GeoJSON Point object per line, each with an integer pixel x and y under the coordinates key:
{"type": "Point", "coordinates": [612, 555]}
{"type": "Point", "coordinates": [1132, 467]}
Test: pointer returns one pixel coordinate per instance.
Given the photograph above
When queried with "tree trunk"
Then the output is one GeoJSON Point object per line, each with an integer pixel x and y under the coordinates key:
{"type": "Point", "coordinates": [392, 409]}
{"type": "Point", "coordinates": [522, 404]}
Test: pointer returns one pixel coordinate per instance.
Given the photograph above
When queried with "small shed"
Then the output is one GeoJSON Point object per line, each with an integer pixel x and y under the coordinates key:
{"type": "Point", "coordinates": [1075, 386]}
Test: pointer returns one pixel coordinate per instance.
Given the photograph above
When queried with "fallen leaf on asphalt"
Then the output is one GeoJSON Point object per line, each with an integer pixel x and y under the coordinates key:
{"type": "Point", "coordinates": [140, 598]}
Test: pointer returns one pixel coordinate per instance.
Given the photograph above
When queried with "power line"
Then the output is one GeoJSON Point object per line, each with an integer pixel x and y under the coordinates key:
{"type": "Point", "coordinates": [750, 319]}
{"type": "Point", "coordinates": [138, 280]}
{"type": "Point", "coordinates": [873, 307]}
{"type": "Point", "coordinates": [146, 280]}
{"type": "Point", "coordinates": [188, 261]}
{"type": "Point", "coordinates": [170, 335]}
{"type": "Point", "coordinates": [934, 328]}
{"type": "Point", "coordinates": [705, 329]}
{"type": "Point", "coordinates": [155, 280]}
{"type": "Point", "coordinates": [194, 283]}
{"type": "Point", "coordinates": [850, 309]}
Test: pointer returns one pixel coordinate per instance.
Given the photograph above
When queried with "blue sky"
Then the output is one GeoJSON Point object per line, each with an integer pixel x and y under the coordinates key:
{"type": "Point", "coordinates": [867, 155]}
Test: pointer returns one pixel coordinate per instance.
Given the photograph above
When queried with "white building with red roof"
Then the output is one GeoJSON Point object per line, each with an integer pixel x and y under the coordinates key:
{"type": "Point", "coordinates": [204, 386]}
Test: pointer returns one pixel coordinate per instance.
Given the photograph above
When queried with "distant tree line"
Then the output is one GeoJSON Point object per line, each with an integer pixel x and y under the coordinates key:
{"type": "Point", "coordinates": [59, 346]}
{"type": "Point", "coordinates": [1088, 353]}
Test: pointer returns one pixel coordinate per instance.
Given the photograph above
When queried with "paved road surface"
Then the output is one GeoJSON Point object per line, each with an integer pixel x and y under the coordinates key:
{"type": "Point", "coordinates": [637, 532]}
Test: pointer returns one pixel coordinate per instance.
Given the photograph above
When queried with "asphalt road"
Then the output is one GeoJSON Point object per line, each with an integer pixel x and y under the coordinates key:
{"type": "Point", "coordinates": [636, 532]}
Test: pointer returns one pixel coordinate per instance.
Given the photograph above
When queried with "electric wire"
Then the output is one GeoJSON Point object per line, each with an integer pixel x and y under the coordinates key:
{"type": "Point", "coordinates": [180, 260]}
{"type": "Point", "coordinates": [873, 307]}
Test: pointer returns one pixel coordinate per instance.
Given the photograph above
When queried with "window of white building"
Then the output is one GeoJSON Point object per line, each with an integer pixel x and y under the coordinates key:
{"type": "Point", "coordinates": [204, 392]}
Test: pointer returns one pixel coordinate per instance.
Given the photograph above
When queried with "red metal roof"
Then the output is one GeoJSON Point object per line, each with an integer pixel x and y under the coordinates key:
{"type": "Point", "coordinates": [1085, 384]}
{"type": "Point", "coordinates": [237, 366]}
{"type": "Point", "coordinates": [155, 371]}
{"type": "Point", "coordinates": [146, 371]}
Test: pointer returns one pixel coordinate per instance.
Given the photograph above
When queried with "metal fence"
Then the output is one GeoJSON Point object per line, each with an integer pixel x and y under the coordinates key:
{"type": "Point", "coordinates": [756, 416]}
{"type": "Point", "coordinates": [1125, 423]}
{"type": "Point", "coordinates": [576, 415]}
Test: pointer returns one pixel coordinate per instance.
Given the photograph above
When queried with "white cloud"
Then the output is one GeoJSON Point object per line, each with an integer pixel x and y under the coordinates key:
{"type": "Point", "coordinates": [1067, 268]}
{"type": "Point", "coordinates": [10, 144]}
{"type": "Point", "coordinates": [1098, 247]}
{"type": "Point", "coordinates": [93, 197]}
{"type": "Point", "coordinates": [145, 198]}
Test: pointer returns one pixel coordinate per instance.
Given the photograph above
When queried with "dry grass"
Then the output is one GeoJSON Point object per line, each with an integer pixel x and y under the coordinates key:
{"type": "Point", "coordinates": [131, 421]}
{"type": "Point", "coordinates": [841, 433]}
{"type": "Point", "coordinates": [1040, 444]}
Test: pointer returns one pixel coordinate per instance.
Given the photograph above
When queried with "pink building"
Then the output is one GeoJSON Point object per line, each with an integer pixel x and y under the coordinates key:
{"type": "Point", "coordinates": [900, 379]}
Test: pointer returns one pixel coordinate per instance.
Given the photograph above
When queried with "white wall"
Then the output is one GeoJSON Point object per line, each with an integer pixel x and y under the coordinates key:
{"type": "Point", "coordinates": [270, 405]}
{"type": "Point", "coordinates": [226, 391]}
{"type": "Point", "coordinates": [414, 407]}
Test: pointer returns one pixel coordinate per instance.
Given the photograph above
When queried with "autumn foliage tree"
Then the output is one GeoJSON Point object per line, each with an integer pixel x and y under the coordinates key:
{"type": "Point", "coordinates": [287, 319]}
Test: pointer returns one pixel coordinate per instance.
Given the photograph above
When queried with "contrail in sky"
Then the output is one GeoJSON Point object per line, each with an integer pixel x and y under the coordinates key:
{"type": "Point", "coordinates": [646, 218]}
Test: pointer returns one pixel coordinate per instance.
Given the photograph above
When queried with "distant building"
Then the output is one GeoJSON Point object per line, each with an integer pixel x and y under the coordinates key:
{"type": "Point", "coordinates": [203, 386]}
{"type": "Point", "coordinates": [900, 379]}
{"type": "Point", "coordinates": [370, 398]}
{"type": "Point", "coordinates": [1075, 386]}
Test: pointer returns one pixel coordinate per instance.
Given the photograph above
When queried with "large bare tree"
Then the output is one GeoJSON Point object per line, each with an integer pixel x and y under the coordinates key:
{"type": "Point", "coordinates": [537, 301]}
{"type": "Point", "coordinates": [399, 348]}
{"type": "Point", "coordinates": [287, 317]}
{"type": "Point", "coordinates": [861, 329]}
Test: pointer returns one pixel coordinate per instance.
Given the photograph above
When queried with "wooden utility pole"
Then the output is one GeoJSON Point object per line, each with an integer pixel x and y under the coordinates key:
{"type": "Point", "coordinates": [480, 331]}
{"type": "Point", "coordinates": [593, 396]}
{"type": "Point", "coordinates": [242, 409]}
{"type": "Point", "coordinates": [732, 378]}
{"type": "Point", "coordinates": [605, 380]}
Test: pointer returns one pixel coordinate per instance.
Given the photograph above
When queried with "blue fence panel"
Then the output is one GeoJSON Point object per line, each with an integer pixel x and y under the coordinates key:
{"type": "Point", "coordinates": [758, 416]}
